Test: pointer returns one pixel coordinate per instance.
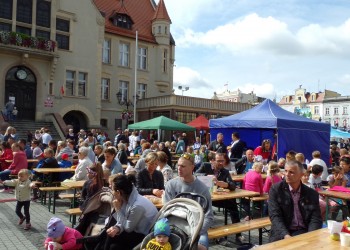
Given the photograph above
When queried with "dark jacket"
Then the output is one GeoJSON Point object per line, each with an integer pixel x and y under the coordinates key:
{"type": "Point", "coordinates": [224, 174]}
{"type": "Point", "coordinates": [281, 209]}
{"type": "Point", "coordinates": [145, 184]}
{"type": "Point", "coordinates": [217, 147]}
{"type": "Point", "coordinates": [237, 150]}
{"type": "Point", "coordinates": [122, 156]}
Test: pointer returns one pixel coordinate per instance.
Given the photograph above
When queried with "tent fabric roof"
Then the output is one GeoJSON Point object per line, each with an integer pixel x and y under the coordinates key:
{"type": "Point", "coordinates": [161, 122]}
{"type": "Point", "coordinates": [268, 115]}
{"type": "Point", "coordinates": [339, 134]}
{"type": "Point", "coordinates": [199, 123]}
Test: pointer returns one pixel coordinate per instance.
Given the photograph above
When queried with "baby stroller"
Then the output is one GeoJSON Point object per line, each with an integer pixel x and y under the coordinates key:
{"type": "Point", "coordinates": [92, 220]}
{"type": "Point", "coordinates": [185, 216]}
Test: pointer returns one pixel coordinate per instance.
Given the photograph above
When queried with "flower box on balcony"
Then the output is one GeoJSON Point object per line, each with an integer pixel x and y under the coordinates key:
{"type": "Point", "coordinates": [19, 39]}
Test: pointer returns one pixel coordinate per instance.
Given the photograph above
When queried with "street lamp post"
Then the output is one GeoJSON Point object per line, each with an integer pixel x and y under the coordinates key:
{"type": "Point", "coordinates": [183, 89]}
{"type": "Point", "coordinates": [124, 102]}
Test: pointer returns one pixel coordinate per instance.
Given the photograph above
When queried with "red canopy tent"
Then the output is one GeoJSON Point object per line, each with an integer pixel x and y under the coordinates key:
{"type": "Point", "coordinates": [200, 123]}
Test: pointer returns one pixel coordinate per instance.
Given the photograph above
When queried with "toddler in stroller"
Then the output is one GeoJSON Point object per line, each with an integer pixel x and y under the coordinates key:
{"type": "Point", "coordinates": [185, 217]}
{"type": "Point", "coordinates": [92, 220]}
{"type": "Point", "coordinates": [161, 234]}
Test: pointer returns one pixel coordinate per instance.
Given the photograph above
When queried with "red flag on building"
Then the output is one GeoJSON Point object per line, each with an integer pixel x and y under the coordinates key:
{"type": "Point", "coordinates": [62, 90]}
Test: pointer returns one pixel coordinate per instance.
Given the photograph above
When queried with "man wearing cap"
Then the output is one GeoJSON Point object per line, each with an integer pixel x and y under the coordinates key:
{"type": "Point", "coordinates": [62, 237]}
{"type": "Point", "coordinates": [187, 182]}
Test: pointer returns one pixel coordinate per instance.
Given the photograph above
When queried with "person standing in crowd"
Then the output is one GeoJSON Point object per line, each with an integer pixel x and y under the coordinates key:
{"type": "Point", "coordinates": [46, 138]}
{"type": "Point", "coordinates": [180, 146]}
{"type": "Point", "coordinates": [237, 147]}
{"type": "Point", "coordinates": [218, 145]}
{"type": "Point", "coordinates": [119, 137]}
{"type": "Point", "coordinates": [71, 135]}
{"type": "Point", "coordinates": [293, 208]}
{"type": "Point", "coordinates": [9, 109]}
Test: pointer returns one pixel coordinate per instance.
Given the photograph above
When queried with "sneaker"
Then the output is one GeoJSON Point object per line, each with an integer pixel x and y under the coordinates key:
{"type": "Point", "coordinates": [20, 222]}
{"type": "Point", "coordinates": [27, 226]}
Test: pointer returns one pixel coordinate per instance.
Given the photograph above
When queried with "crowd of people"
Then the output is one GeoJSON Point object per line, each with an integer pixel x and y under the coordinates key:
{"type": "Point", "coordinates": [294, 205]}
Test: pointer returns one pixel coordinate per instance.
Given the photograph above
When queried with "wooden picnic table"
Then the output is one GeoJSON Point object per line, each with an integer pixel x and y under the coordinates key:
{"type": "Point", "coordinates": [53, 170]}
{"type": "Point", "coordinates": [333, 194]}
{"type": "Point", "coordinates": [219, 196]}
{"type": "Point", "coordinates": [28, 160]}
{"type": "Point", "coordinates": [73, 185]}
{"type": "Point", "coordinates": [318, 239]}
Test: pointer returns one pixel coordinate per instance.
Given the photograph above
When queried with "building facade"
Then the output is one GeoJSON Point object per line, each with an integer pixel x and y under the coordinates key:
{"type": "Point", "coordinates": [336, 112]}
{"type": "Point", "coordinates": [310, 105]}
{"type": "Point", "coordinates": [237, 96]}
{"type": "Point", "coordinates": [78, 59]}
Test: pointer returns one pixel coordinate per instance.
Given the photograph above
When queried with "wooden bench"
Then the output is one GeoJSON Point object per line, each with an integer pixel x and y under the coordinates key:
{"type": "Point", "coordinates": [235, 228]}
{"type": "Point", "coordinates": [73, 212]}
{"type": "Point", "coordinates": [52, 193]}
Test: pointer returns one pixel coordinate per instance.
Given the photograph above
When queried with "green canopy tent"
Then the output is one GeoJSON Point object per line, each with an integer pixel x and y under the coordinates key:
{"type": "Point", "coordinates": [161, 123]}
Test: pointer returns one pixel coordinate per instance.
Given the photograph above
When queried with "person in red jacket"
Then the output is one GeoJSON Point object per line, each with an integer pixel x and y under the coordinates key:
{"type": "Point", "coordinates": [19, 162]}
{"type": "Point", "coordinates": [60, 236]}
{"type": "Point", "coordinates": [5, 154]}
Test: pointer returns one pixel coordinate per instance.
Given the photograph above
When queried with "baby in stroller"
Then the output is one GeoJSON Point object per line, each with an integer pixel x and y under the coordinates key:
{"type": "Point", "coordinates": [161, 236]}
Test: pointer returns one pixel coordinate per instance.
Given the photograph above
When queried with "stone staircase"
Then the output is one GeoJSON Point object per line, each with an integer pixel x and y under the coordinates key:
{"type": "Point", "coordinates": [22, 126]}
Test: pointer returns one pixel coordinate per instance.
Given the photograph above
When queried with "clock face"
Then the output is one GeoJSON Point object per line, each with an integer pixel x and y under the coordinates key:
{"type": "Point", "coordinates": [21, 74]}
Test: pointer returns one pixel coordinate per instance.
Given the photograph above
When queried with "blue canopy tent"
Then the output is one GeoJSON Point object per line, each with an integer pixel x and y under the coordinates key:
{"type": "Point", "coordinates": [267, 119]}
{"type": "Point", "coordinates": [335, 133]}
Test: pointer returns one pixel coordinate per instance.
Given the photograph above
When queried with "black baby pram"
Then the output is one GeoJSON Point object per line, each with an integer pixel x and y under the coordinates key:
{"type": "Point", "coordinates": [185, 216]}
{"type": "Point", "coordinates": [92, 221]}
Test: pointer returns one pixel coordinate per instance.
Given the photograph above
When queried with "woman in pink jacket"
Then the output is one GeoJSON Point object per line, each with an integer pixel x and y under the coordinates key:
{"type": "Point", "coordinates": [253, 182]}
{"type": "Point", "coordinates": [5, 154]}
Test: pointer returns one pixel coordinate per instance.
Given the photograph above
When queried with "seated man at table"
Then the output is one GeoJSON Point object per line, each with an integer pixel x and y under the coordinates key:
{"type": "Point", "coordinates": [293, 207]}
{"type": "Point", "coordinates": [245, 163]}
{"type": "Point", "coordinates": [187, 182]}
{"type": "Point", "coordinates": [223, 180]}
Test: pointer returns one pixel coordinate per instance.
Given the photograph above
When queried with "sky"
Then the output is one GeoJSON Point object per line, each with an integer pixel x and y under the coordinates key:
{"type": "Point", "coordinates": [266, 46]}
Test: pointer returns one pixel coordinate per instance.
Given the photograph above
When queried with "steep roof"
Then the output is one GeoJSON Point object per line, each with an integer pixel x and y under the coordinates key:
{"type": "Point", "coordinates": [161, 12]}
{"type": "Point", "coordinates": [141, 13]}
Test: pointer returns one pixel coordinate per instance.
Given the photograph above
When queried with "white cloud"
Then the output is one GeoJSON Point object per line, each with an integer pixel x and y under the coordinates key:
{"type": "Point", "coordinates": [253, 34]}
{"type": "Point", "coordinates": [187, 77]}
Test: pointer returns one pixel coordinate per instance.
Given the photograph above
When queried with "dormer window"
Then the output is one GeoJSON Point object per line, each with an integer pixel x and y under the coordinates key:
{"type": "Point", "coordinates": [122, 21]}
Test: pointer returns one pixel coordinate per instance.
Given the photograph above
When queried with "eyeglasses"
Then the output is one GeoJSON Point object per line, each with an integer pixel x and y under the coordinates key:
{"type": "Point", "coordinates": [266, 141]}
{"type": "Point", "coordinates": [187, 156]}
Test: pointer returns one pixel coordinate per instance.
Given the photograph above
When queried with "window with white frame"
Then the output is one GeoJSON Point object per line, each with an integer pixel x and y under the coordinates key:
{"type": "Point", "coordinates": [141, 90]}
{"type": "Point", "coordinates": [106, 51]}
{"type": "Point", "coordinates": [124, 54]}
{"type": "Point", "coordinates": [327, 111]}
{"type": "Point", "coordinates": [316, 110]}
{"type": "Point", "coordinates": [82, 84]}
{"type": "Point", "coordinates": [345, 110]}
{"type": "Point", "coordinates": [70, 79]}
{"type": "Point", "coordinates": [124, 89]}
{"type": "Point", "coordinates": [336, 111]}
{"type": "Point", "coordinates": [105, 89]}
{"type": "Point", "coordinates": [165, 60]}
{"type": "Point", "coordinates": [142, 58]}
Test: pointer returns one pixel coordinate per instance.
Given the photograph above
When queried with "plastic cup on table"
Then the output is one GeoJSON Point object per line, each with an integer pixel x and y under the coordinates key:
{"type": "Point", "coordinates": [345, 239]}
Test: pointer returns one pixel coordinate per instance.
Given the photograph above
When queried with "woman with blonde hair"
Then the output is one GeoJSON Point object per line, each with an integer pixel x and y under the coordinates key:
{"type": "Point", "coordinates": [150, 181]}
